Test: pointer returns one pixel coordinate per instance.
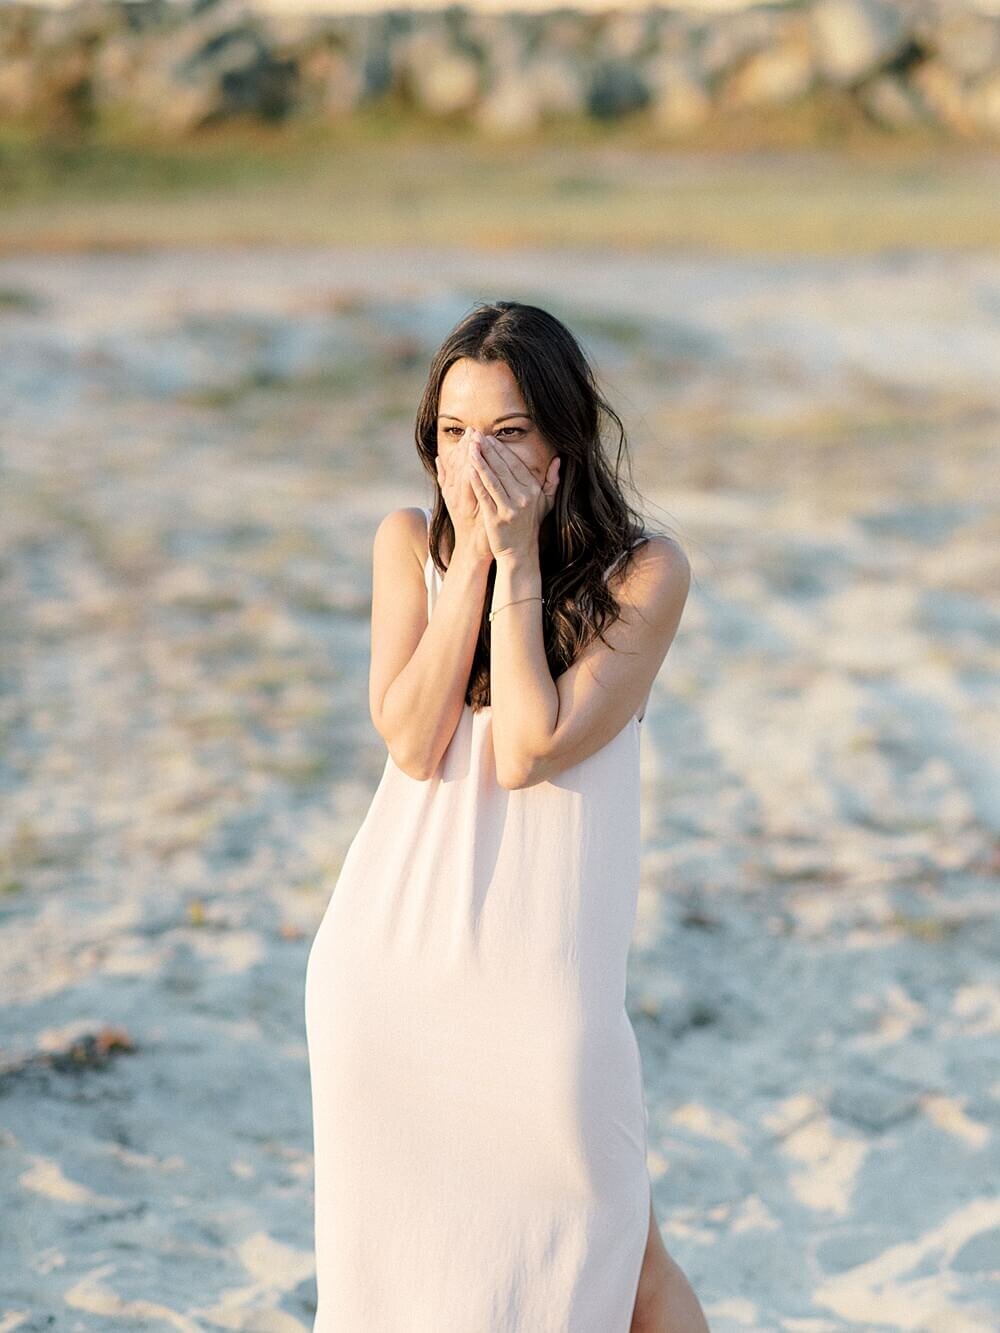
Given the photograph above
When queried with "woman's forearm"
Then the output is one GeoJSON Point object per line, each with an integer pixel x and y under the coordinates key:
{"type": "Point", "coordinates": [525, 701]}
{"type": "Point", "coordinates": [422, 706]}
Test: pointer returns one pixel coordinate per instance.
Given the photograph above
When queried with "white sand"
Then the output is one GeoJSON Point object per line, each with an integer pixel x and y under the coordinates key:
{"type": "Point", "coordinates": [186, 755]}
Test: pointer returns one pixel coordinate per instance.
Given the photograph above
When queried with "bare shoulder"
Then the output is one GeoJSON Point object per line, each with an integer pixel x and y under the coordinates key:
{"type": "Point", "coordinates": [402, 533]}
{"type": "Point", "coordinates": [657, 579]}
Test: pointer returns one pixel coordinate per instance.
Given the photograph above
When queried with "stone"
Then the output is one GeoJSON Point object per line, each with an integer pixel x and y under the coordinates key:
{"type": "Point", "coordinates": [944, 95]}
{"type": "Point", "coordinates": [627, 35]}
{"type": "Point", "coordinates": [560, 86]}
{"type": "Point", "coordinates": [332, 83]}
{"type": "Point", "coordinates": [674, 32]}
{"type": "Point", "coordinates": [855, 37]}
{"type": "Point", "coordinates": [440, 79]}
{"type": "Point", "coordinates": [892, 103]}
{"type": "Point", "coordinates": [510, 108]}
{"type": "Point", "coordinates": [616, 88]}
{"type": "Point", "coordinates": [523, 95]}
{"type": "Point", "coordinates": [679, 100]}
{"type": "Point", "coordinates": [113, 66]}
{"type": "Point", "coordinates": [185, 63]}
{"type": "Point", "coordinates": [565, 31]}
{"type": "Point", "coordinates": [966, 41]}
{"type": "Point", "coordinates": [501, 42]}
{"type": "Point", "coordinates": [185, 108]}
{"type": "Point", "coordinates": [774, 75]}
{"type": "Point", "coordinates": [730, 39]}
{"type": "Point", "coordinates": [187, 81]}
{"type": "Point", "coordinates": [202, 32]}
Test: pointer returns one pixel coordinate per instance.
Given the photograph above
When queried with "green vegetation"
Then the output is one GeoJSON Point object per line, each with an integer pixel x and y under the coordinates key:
{"type": "Point", "coordinates": [759, 185]}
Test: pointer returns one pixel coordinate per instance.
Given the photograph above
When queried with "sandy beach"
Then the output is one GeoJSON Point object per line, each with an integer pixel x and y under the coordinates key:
{"type": "Point", "coordinates": [197, 447]}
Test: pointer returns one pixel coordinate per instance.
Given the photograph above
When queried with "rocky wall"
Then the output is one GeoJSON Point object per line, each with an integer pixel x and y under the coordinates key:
{"type": "Point", "coordinates": [180, 65]}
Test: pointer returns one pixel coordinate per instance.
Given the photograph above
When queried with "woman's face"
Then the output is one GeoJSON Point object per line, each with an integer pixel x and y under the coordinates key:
{"type": "Point", "coordinates": [484, 396]}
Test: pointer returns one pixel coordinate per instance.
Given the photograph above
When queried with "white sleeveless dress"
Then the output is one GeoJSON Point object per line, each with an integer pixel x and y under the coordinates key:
{"type": "Point", "coordinates": [479, 1121]}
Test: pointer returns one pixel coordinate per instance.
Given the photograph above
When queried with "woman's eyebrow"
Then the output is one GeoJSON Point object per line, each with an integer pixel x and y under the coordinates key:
{"type": "Point", "coordinates": [444, 415]}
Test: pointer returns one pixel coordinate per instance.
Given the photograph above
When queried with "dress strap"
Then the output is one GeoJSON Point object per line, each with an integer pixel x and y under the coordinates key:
{"type": "Point", "coordinates": [430, 581]}
{"type": "Point", "coordinates": [614, 564]}
{"type": "Point", "coordinates": [619, 558]}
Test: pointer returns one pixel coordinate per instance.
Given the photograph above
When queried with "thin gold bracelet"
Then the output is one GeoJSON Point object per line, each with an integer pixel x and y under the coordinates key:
{"type": "Point", "coordinates": [515, 602]}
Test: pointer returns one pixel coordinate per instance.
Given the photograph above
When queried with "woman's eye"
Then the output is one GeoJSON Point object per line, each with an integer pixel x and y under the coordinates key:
{"type": "Point", "coordinates": [457, 430]}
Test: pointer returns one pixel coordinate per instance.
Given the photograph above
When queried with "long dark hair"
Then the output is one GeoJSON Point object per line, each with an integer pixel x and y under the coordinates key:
{"type": "Point", "coordinates": [591, 524]}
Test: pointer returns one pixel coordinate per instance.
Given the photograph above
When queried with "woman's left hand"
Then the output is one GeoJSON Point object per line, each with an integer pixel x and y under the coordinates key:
{"type": "Point", "coordinates": [512, 502]}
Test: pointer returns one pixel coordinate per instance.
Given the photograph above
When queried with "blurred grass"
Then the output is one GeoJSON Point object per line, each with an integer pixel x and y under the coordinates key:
{"type": "Point", "coordinates": [760, 184]}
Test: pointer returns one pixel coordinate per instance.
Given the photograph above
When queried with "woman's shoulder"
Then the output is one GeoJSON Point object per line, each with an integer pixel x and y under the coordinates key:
{"type": "Point", "coordinates": [659, 546]}
{"type": "Point", "coordinates": [658, 570]}
{"type": "Point", "coordinates": [404, 530]}
{"type": "Point", "coordinates": [651, 548]}
{"type": "Point", "coordinates": [403, 524]}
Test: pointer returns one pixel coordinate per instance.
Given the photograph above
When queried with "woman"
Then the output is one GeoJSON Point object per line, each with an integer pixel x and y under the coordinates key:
{"type": "Point", "coordinates": [478, 1115]}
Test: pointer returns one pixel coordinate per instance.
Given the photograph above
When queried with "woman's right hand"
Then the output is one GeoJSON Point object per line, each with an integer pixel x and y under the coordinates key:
{"type": "Point", "coordinates": [453, 471]}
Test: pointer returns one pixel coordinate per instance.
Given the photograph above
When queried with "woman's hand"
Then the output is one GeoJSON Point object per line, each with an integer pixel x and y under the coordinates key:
{"type": "Point", "coordinates": [512, 502]}
{"type": "Point", "coordinates": [454, 478]}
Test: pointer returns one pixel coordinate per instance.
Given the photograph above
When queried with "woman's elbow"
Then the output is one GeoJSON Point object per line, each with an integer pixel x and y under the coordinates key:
{"type": "Point", "coordinates": [416, 764]}
{"type": "Point", "coordinates": [421, 767]}
{"type": "Point", "coordinates": [512, 777]}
